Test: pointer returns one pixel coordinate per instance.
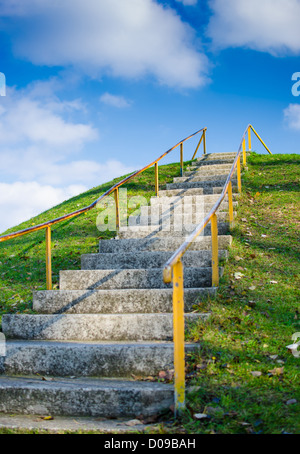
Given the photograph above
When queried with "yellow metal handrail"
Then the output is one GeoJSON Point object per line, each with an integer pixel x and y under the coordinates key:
{"type": "Point", "coordinates": [47, 225]}
{"type": "Point", "coordinates": [173, 269]}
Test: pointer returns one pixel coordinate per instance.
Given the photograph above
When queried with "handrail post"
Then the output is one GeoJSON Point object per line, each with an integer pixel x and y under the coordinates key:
{"type": "Point", "coordinates": [156, 179]}
{"type": "Point", "coordinates": [249, 138]}
{"type": "Point", "coordinates": [259, 138]}
{"type": "Point", "coordinates": [48, 258]}
{"type": "Point", "coordinates": [181, 159]}
{"type": "Point", "coordinates": [215, 251]}
{"type": "Point", "coordinates": [178, 336]}
{"type": "Point", "coordinates": [199, 143]}
{"type": "Point", "coordinates": [117, 209]}
{"type": "Point", "coordinates": [239, 180]}
{"type": "Point", "coordinates": [204, 141]}
{"type": "Point", "coordinates": [244, 153]}
{"type": "Point", "coordinates": [231, 219]}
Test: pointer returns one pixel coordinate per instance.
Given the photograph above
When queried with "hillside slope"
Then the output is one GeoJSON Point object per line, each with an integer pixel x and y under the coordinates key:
{"type": "Point", "coordinates": [246, 379]}
{"type": "Point", "coordinates": [22, 260]}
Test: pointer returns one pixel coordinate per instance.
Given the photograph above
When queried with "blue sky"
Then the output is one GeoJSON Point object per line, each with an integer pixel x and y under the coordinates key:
{"type": "Point", "coordinates": [96, 88]}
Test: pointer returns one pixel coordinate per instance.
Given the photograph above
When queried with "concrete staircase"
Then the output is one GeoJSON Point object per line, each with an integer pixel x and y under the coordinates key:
{"type": "Point", "coordinates": [112, 319]}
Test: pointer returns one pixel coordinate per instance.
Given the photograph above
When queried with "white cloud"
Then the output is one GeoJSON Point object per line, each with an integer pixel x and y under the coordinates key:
{"type": "Point", "coordinates": [38, 145]}
{"type": "Point", "coordinates": [132, 38]}
{"type": "Point", "coordinates": [21, 201]}
{"type": "Point", "coordinates": [264, 25]}
{"type": "Point", "coordinates": [292, 116]}
{"type": "Point", "coordinates": [36, 138]}
{"type": "Point", "coordinates": [24, 118]}
{"type": "Point", "coordinates": [115, 101]}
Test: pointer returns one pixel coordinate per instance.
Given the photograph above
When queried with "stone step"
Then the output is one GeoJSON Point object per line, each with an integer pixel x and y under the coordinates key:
{"type": "Point", "coordinates": [88, 359]}
{"type": "Point", "coordinates": [143, 260]}
{"type": "Point", "coordinates": [130, 279]}
{"type": "Point", "coordinates": [192, 191]}
{"type": "Point", "coordinates": [175, 230]}
{"type": "Point", "coordinates": [216, 163]}
{"type": "Point", "coordinates": [208, 170]}
{"type": "Point", "coordinates": [201, 176]}
{"type": "Point", "coordinates": [213, 156]}
{"type": "Point", "coordinates": [93, 327]}
{"type": "Point", "coordinates": [181, 197]}
{"type": "Point", "coordinates": [175, 217]}
{"type": "Point", "coordinates": [159, 244]}
{"type": "Point", "coordinates": [83, 397]}
{"type": "Point", "coordinates": [206, 183]}
{"type": "Point", "coordinates": [115, 301]}
{"type": "Point", "coordinates": [185, 207]}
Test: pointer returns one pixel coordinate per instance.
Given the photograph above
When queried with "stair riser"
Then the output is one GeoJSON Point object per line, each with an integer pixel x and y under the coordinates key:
{"type": "Point", "coordinates": [213, 156]}
{"type": "Point", "coordinates": [204, 191]}
{"type": "Point", "coordinates": [175, 218]}
{"type": "Point", "coordinates": [175, 230]}
{"type": "Point", "coordinates": [92, 327]}
{"type": "Point", "coordinates": [211, 164]}
{"type": "Point", "coordinates": [159, 244]}
{"type": "Point", "coordinates": [88, 360]}
{"type": "Point", "coordinates": [71, 399]}
{"type": "Point", "coordinates": [185, 208]}
{"type": "Point", "coordinates": [171, 196]}
{"type": "Point", "coordinates": [143, 260]}
{"type": "Point", "coordinates": [130, 301]}
{"type": "Point", "coordinates": [201, 176]}
{"type": "Point", "coordinates": [181, 196]}
{"type": "Point", "coordinates": [203, 184]}
{"type": "Point", "coordinates": [127, 279]}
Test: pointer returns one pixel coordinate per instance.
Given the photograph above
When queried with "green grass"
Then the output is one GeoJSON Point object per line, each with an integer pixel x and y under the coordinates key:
{"type": "Point", "coordinates": [252, 318]}
{"type": "Point", "coordinates": [22, 260]}
{"type": "Point", "coordinates": [254, 313]}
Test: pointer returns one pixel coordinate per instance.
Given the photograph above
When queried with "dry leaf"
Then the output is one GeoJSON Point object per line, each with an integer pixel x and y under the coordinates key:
{"type": "Point", "coordinates": [162, 374]}
{"type": "Point", "coordinates": [252, 287]}
{"type": "Point", "coordinates": [256, 373]}
{"type": "Point", "coordinates": [200, 416]}
{"type": "Point", "coordinates": [277, 371]}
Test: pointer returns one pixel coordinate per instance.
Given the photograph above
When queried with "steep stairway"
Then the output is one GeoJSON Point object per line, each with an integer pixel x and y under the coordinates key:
{"type": "Point", "coordinates": [112, 319]}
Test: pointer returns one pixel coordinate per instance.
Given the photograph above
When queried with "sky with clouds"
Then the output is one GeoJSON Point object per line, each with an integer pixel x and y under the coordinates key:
{"type": "Point", "coordinates": [96, 89]}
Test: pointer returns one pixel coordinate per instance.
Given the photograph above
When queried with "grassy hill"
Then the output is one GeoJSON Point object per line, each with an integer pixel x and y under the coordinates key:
{"type": "Point", "coordinates": [246, 380]}
{"type": "Point", "coordinates": [22, 260]}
